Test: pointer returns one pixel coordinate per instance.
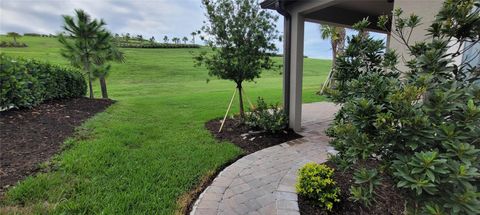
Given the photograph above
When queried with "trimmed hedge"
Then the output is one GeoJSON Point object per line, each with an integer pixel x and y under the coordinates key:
{"type": "Point", "coordinates": [27, 83]}
{"type": "Point", "coordinates": [4, 44]}
{"type": "Point", "coordinates": [157, 45]}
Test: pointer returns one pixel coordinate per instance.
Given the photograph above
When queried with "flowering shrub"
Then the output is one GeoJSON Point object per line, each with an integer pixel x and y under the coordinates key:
{"type": "Point", "coordinates": [315, 182]}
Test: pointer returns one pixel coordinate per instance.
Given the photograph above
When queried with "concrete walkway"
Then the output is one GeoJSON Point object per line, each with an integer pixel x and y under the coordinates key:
{"type": "Point", "coordinates": [264, 182]}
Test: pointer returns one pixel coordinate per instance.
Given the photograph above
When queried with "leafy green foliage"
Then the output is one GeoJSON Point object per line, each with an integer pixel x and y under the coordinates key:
{"type": "Point", "coordinates": [241, 36]}
{"type": "Point", "coordinates": [424, 126]}
{"type": "Point", "coordinates": [89, 44]}
{"type": "Point", "coordinates": [269, 118]}
{"type": "Point", "coordinates": [4, 44]}
{"type": "Point", "coordinates": [366, 181]}
{"type": "Point", "coordinates": [27, 83]}
{"type": "Point", "coordinates": [315, 182]}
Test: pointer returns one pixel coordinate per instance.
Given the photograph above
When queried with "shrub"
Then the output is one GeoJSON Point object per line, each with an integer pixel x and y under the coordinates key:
{"type": "Point", "coordinates": [424, 127]}
{"type": "Point", "coordinates": [366, 181]}
{"type": "Point", "coordinates": [26, 83]}
{"type": "Point", "coordinates": [315, 183]}
{"type": "Point", "coordinates": [5, 44]}
{"type": "Point", "coordinates": [269, 118]}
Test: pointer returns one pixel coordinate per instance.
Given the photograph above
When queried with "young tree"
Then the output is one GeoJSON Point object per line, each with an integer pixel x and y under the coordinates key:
{"type": "Point", "coordinates": [15, 35]}
{"type": "Point", "coordinates": [193, 36]}
{"type": "Point", "coordinates": [337, 39]}
{"type": "Point", "coordinates": [102, 68]}
{"type": "Point", "coordinates": [337, 42]}
{"type": "Point", "coordinates": [241, 36]}
{"type": "Point", "coordinates": [87, 39]}
{"type": "Point", "coordinates": [165, 39]}
{"type": "Point", "coordinates": [185, 40]}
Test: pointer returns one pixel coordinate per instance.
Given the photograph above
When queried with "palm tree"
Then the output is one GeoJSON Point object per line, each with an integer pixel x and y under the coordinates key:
{"type": "Point", "coordinates": [165, 39]}
{"type": "Point", "coordinates": [88, 40]}
{"type": "Point", "coordinates": [337, 41]}
{"type": "Point", "coordinates": [193, 36]}
{"type": "Point", "coordinates": [185, 39]}
{"type": "Point", "coordinates": [110, 53]}
{"type": "Point", "coordinates": [15, 35]}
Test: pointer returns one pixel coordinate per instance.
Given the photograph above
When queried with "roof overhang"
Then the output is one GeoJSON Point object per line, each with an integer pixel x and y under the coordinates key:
{"type": "Point", "coordinates": [343, 13]}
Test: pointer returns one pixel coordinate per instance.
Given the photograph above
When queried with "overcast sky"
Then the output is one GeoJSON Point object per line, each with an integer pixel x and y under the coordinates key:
{"type": "Point", "coordinates": [175, 18]}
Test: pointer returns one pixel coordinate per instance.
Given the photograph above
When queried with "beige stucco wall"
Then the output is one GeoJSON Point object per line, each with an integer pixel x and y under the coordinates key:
{"type": "Point", "coordinates": [426, 9]}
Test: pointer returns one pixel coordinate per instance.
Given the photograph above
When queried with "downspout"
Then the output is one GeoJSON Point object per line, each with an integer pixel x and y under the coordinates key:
{"type": "Point", "coordinates": [280, 7]}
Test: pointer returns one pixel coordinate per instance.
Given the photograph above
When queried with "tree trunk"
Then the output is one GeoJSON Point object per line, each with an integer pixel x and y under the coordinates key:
{"type": "Point", "coordinates": [240, 97]}
{"type": "Point", "coordinates": [103, 86]}
{"type": "Point", "coordinates": [90, 87]}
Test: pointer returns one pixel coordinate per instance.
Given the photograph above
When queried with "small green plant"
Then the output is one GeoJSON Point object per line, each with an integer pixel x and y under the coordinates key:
{"type": "Point", "coordinates": [316, 183]}
{"type": "Point", "coordinates": [267, 117]}
{"type": "Point", "coordinates": [361, 194]}
{"type": "Point", "coordinates": [366, 181]}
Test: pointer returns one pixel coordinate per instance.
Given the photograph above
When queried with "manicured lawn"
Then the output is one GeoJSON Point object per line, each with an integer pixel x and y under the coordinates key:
{"type": "Point", "coordinates": [151, 147]}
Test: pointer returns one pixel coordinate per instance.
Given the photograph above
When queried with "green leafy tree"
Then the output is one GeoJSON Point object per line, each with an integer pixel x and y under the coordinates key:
{"type": "Point", "coordinates": [185, 40]}
{"type": "Point", "coordinates": [165, 39]}
{"type": "Point", "coordinates": [241, 36]}
{"type": "Point", "coordinates": [85, 41]}
{"type": "Point", "coordinates": [14, 35]}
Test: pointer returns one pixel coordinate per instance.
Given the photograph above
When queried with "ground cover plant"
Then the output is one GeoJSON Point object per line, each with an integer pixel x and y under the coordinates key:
{"type": "Point", "coordinates": [421, 128]}
{"type": "Point", "coordinates": [25, 83]}
{"type": "Point", "coordinates": [150, 147]}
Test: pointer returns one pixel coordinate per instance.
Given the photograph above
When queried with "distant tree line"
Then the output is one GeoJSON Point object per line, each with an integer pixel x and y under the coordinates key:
{"type": "Point", "coordinates": [138, 40]}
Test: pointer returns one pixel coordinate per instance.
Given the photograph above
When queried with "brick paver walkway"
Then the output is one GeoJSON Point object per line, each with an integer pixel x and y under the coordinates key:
{"type": "Point", "coordinates": [264, 182]}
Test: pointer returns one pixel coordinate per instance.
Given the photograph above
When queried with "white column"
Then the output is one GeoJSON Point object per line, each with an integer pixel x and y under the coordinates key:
{"type": "Point", "coordinates": [296, 71]}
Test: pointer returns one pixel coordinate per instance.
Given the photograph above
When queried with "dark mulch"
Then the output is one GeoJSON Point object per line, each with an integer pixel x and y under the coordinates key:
{"type": "Point", "coordinates": [389, 199]}
{"type": "Point", "coordinates": [29, 137]}
{"type": "Point", "coordinates": [250, 141]}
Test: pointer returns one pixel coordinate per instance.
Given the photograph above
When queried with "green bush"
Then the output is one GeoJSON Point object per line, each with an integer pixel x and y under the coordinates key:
{"type": "Point", "coordinates": [424, 127]}
{"type": "Point", "coordinates": [269, 118]}
{"type": "Point", "coordinates": [366, 181]}
{"type": "Point", "coordinates": [315, 183]}
{"type": "Point", "coordinates": [4, 44]}
{"type": "Point", "coordinates": [27, 83]}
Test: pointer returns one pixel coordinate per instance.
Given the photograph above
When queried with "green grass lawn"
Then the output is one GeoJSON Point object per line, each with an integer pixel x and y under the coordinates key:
{"type": "Point", "coordinates": [150, 148]}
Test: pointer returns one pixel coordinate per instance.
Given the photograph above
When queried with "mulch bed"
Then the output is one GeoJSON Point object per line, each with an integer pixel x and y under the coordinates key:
{"type": "Point", "coordinates": [389, 199]}
{"type": "Point", "coordinates": [250, 141]}
{"type": "Point", "coordinates": [29, 137]}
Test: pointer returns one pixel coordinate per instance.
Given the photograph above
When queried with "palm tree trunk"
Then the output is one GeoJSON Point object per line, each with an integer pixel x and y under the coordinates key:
{"type": "Point", "coordinates": [103, 86]}
{"type": "Point", "coordinates": [240, 97]}
{"type": "Point", "coordinates": [90, 87]}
